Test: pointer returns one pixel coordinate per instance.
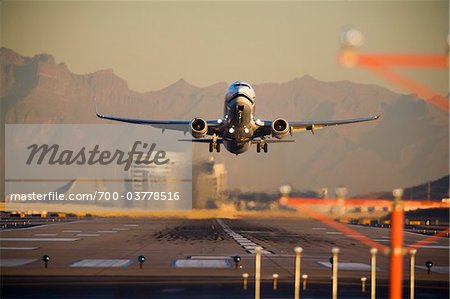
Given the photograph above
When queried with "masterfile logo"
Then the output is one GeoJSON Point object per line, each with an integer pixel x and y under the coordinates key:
{"type": "Point", "coordinates": [107, 166]}
{"type": "Point", "coordinates": [52, 155]}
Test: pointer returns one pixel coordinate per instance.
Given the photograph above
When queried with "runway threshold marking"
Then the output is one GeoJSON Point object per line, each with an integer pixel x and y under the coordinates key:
{"type": "Point", "coordinates": [18, 248]}
{"type": "Point", "coordinates": [88, 235]}
{"type": "Point", "coordinates": [39, 239]}
{"type": "Point", "coordinates": [435, 247]}
{"type": "Point", "coordinates": [101, 263]}
{"type": "Point", "coordinates": [24, 228]}
{"type": "Point", "coordinates": [44, 235]}
{"type": "Point", "coordinates": [437, 269]}
{"type": "Point", "coordinates": [72, 231]}
{"type": "Point", "coordinates": [107, 231]}
{"type": "Point", "coordinates": [241, 240]}
{"type": "Point", "coordinates": [202, 263]}
{"type": "Point", "coordinates": [208, 257]}
{"type": "Point", "coordinates": [348, 266]}
{"type": "Point", "coordinates": [15, 262]}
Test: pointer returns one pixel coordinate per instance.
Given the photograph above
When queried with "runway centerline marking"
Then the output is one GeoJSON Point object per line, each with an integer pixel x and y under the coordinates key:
{"type": "Point", "coordinates": [88, 235]}
{"type": "Point", "coordinates": [44, 235]}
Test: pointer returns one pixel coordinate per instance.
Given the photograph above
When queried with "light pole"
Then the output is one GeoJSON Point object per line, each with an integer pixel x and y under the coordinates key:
{"type": "Point", "coordinates": [335, 252]}
{"type": "Point", "coordinates": [396, 259]}
{"type": "Point", "coordinates": [258, 251]}
{"type": "Point", "coordinates": [373, 272]}
{"type": "Point", "coordinates": [298, 253]}
{"type": "Point", "coordinates": [412, 263]}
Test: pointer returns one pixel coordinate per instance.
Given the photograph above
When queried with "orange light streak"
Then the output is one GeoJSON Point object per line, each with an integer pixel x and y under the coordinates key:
{"type": "Point", "coordinates": [382, 64]}
{"type": "Point", "coordinates": [425, 241]}
{"type": "Point", "coordinates": [403, 60]}
{"type": "Point", "coordinates": [344, 229]}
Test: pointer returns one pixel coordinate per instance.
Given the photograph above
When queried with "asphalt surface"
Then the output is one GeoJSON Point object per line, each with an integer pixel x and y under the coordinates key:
{"type": "Point", "coordinates": [98, 258]}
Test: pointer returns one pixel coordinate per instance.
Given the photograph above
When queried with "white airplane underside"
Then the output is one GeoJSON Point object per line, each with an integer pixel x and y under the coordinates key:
{"type": "Point", "coordinates": [238, 129]}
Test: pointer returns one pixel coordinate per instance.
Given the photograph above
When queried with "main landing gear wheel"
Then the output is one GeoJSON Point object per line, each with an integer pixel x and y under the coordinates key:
{"type": "Point", "coordinates": [262, 146]}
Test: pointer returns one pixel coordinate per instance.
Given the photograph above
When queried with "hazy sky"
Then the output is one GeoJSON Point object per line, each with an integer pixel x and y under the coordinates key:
{"type": "Point", "coordinates": [153, 44]}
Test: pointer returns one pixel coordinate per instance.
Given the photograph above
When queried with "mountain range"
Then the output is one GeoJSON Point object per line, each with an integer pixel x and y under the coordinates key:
{"type": "Point", "coordinates": [408, 145]}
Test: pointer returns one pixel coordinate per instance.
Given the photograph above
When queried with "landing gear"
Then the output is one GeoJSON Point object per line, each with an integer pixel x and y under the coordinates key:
{"type": "Point", "coordinates": [263, 146]}
{"type": "Point", "coordinates": [214, 146]}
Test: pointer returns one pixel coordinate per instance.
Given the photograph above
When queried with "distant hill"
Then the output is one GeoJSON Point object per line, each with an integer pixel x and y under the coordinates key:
{"type": "Point", "coordinates": [407, 146]}
{"type": "Point", "coordinates": [433, 190]}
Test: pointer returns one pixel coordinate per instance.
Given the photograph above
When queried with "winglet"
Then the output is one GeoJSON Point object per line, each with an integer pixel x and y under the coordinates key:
{"type": "Point", "coordinates": [96, 109]}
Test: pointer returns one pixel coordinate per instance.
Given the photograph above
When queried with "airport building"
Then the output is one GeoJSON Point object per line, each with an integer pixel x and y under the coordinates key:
{"type": "Point", "coordinates": [209, 184]}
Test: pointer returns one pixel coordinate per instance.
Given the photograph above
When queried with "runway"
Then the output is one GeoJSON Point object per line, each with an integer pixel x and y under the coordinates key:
{"type": "Point", "coordinates": [103, 252]}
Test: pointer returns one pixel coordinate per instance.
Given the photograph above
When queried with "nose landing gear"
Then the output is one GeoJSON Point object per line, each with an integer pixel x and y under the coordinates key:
{"type": "Point", "coordinates": [214, 145]}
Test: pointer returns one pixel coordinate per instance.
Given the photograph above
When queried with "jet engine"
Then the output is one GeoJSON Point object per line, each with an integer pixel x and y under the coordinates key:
{"type": "Point", "coordinates": [199, 127]}
{"type": "Point", "coordinates": [279, 128]}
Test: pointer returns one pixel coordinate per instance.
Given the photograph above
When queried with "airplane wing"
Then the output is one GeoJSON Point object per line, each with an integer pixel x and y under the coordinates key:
{"type": "Point", "coordinates": [202, 140]}
{"type": "Point", "coordinates": [175, 125]}
{"type": "Point", "coordinates": [273, 141]}
{"type": "Point", "coordinates": [298, 126]}
{"type": "Point", "coordinates": [301, 126]}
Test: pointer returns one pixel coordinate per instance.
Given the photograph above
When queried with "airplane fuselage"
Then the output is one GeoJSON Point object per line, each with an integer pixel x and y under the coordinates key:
{"type": "Point", "coordinates": [238, 122]}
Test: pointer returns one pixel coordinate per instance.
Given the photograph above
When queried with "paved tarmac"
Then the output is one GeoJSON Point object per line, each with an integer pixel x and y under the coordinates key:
{"type": "Point", "coordinates": [99, 256]}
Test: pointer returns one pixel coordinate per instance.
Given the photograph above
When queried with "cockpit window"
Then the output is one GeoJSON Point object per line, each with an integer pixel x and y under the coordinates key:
{"type": "Point", "coordinates": [241, 84]}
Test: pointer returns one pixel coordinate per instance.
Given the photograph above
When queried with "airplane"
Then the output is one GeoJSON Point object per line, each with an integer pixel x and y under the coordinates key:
{"type": "Point", "coordinates": [238, 129]}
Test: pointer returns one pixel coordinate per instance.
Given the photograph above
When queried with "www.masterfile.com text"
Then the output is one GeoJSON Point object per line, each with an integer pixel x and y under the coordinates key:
{"type": "Point", "coordinates": [96, 196]}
